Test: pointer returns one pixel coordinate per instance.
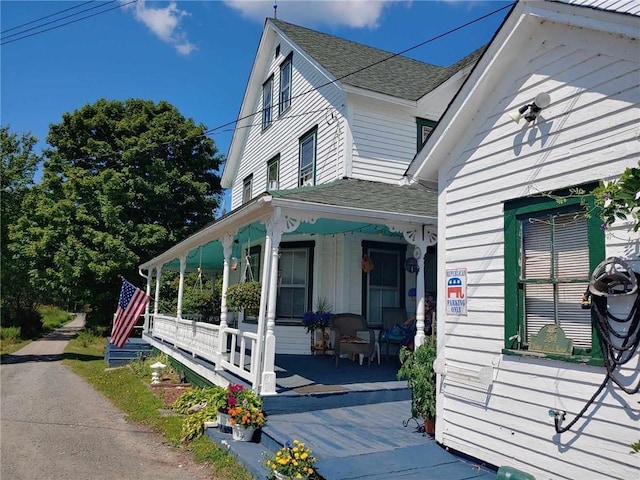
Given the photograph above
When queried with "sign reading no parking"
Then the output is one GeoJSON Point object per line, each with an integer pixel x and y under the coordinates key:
{"type": "Point", "coordinates": [456, 291]}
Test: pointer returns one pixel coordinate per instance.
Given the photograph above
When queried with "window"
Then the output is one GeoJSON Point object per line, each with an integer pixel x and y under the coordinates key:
{"type": "Point", "coordinates": [273, 173]}
{"type": "Point", "coordinates": [307, 158]}
{"type": "Point", "coordinates": [285, 85]}
{"type": "Point", "coordinates": [253, 264]}
{"type": "Point", "coordinates": [384, 285]}
{"type": "Point", "coordinates": [550, 251]}
{"type": "Point", "coordinates": [267, 102]}
{"type": "Point", "coordinates": [246, 189]}
{"type": "Point", "coordinates": [295, 279]}
{"type": "Point", "coordinates": [425, 127]}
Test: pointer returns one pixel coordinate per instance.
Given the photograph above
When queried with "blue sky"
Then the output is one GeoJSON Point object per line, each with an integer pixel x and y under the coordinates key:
{"type": "Point", "coordinates": [197, 55]}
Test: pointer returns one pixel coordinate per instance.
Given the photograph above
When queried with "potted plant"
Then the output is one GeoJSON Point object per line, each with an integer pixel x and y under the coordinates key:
{"type": "Point", "coordinates": [417, 368]}
{"type": "Point", "coordinates": [245, 420]}
{"type": "Point", "coordinates": [294, 460]}
{"type": "Point", "coordinates": [244, 296]}
{"type": "Point", "coordinates": [318, 320]}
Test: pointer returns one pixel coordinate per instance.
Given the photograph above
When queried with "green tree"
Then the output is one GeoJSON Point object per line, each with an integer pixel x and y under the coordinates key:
{"type": "Point", "coordinates": [122, 182]}
{"type": "Point", "coordinates": [19, 164]}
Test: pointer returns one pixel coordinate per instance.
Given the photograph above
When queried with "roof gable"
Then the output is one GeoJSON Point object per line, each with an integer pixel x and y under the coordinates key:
{"type": "Point", "coordinates": [505, 46]}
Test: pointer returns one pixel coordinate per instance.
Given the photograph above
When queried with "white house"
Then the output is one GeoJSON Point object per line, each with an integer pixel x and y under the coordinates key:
{"type": "Point", "coordinates": [317, 156]}
{"type": "Point", "coordinates": [517, 246]}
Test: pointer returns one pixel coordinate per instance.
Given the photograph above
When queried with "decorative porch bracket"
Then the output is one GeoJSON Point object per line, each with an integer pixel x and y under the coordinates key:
{"type": "Point", "coordinates": [276, 225]}
{"type": "Point", "coordinates": [227, 247]}
{"type": "Point", "coordinates": [420, 237]}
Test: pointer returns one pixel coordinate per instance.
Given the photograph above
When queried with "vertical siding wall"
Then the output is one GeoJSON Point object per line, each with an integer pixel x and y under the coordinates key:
{"type": "Point", "coordinates": [588, 133]}
{"type": "Point", "coordinates": [306, 111]}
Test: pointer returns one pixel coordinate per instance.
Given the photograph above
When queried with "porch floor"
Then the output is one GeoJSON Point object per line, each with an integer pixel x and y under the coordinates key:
{"type": "Point", "coordinates": [353, 418]}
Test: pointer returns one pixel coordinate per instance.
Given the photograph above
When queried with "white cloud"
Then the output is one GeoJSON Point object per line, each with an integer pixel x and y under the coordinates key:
{"type": "Point", "coordinates": [165, 23]}
{"type": "Point", "coordinates": [352, 13]}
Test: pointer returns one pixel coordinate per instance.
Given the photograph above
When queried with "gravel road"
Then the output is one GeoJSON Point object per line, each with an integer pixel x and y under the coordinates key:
{"type": "Point", "coordinates": [54, 426]}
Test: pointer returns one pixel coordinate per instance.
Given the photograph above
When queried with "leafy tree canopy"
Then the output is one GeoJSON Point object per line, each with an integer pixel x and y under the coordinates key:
{"type": "Point", "coordinates": [19, 164]}
{"type": "Point", "coordinates": [122, 182]}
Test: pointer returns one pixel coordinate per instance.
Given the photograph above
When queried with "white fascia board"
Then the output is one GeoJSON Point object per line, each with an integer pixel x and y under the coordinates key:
{"type": "Point", "coordinates": [247, 108]}
{"type": "Point", "coordinates": [337, 212]}
{"type": "Point", "coordinates": [459, 114]}
{"type": "Point", "coordinates": [380, 96]}
{"type": "Point", "coordinates": [229, 224]}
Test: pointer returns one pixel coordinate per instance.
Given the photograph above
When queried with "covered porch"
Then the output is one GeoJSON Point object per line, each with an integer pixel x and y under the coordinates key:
{"type": "Point", "coordinates": [301, 245]}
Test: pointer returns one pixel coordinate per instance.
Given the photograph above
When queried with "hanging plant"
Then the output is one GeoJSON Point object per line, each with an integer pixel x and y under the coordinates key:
{"type": "Point", "coordinates": [244, 296]}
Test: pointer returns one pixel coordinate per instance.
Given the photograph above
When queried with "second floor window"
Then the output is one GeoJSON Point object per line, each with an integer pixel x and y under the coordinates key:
{"type": "Point", "coordinates": [425, 127]}
{"type": "Point", "coordinates": [307, 158]}
{"type": "Point", "coordinates": [246, 189]}
{"type": "Point", "coordinates": [285, 85]}
{"type": "Point", "coordinates": [267, 102]}
{"type": "Point", "coordinates": [273, 173]}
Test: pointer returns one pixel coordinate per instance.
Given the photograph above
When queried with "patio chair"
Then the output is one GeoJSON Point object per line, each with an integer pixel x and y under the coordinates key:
{"type": "Point", "coordinates": [394, 331]}
{"type": "Point", "coordinates": [352, 336]}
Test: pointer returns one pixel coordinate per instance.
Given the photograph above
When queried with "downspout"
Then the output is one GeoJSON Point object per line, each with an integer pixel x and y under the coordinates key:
{"type": "Point", "coordinates": [156, 303]}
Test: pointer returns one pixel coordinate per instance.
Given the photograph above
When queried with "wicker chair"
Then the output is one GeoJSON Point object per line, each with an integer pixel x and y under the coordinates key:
{"type": "Point", "coordinates": [352, 336]}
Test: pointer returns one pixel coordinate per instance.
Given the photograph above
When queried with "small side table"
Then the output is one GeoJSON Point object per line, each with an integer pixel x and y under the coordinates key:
{"type": "Point", "coordinates": [321, 346]}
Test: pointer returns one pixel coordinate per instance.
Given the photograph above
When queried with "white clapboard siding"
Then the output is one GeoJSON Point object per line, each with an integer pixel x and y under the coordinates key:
{"type": "Point", "coordinates": [384, 140]}
{"type": "Point", "coordinates": [282, 137]}
{"type": "Point", "coordinates": [587, 134]}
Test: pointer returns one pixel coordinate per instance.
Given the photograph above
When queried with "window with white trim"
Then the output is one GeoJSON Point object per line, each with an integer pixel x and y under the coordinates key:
{"type": "Point", "coordinates": [308, 158]}
{"type": "Point", "coordinates": [285, 84]}
{"type": "Point", "coordinates": [246, 189]}
{"type": "Point", "coordinates": [267, 102]}
{"type": "Point", "coordinates": [273, 173]}
{"type": "Point", "coordinates": [295, 273]}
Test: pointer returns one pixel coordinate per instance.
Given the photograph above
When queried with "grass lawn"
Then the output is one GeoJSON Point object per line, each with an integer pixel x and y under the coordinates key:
{"type": "Point", "coordinates": [128, 389]}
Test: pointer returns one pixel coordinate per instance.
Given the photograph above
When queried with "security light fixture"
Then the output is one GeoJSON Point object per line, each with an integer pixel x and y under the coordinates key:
{"type": "Point", "coordinates": [531, 110]}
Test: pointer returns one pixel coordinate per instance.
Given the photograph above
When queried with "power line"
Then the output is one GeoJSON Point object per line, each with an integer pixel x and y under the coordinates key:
{"type": "Point", "coordinates": [68, 23]}
{"type": "Point", "coordinates": [331, 82]}
{"type": "Point", "coordinates": [57, 20]}
{"type": "Point", "coordinates": [46, 16]}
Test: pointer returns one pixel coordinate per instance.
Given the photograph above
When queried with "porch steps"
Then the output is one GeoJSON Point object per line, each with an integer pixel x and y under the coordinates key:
{"type": "Point", "coordinates": [133, 349]}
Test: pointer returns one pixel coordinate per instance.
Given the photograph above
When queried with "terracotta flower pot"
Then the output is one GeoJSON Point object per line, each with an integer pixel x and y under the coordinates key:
{"type": "Point", "coordinates": [430, 426]}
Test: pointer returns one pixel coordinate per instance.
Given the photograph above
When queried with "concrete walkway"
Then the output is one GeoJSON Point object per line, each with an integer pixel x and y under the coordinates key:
{"type": "Point", "coordinates": [55, 426]}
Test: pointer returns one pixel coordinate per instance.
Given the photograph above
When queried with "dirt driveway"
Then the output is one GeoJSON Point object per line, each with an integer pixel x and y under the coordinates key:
{"type": "Point", "coordinates": [55, 426]}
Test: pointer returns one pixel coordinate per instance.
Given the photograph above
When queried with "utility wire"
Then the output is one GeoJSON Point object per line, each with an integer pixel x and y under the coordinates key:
{"type": "Point", "coordinates": [46, 16]}
{"type": "Point", "coordinates": [218, 130]}
{"type": "Point", "coordinates": [67, 23]}
{"type": "Point", "coordinates": [331, 82]}
{"type": "Point", "coordinates": [58, 19]}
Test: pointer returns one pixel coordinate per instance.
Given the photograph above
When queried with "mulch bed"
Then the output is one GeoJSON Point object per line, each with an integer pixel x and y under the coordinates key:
{"type": "Point", "coordinates": [169, 391]}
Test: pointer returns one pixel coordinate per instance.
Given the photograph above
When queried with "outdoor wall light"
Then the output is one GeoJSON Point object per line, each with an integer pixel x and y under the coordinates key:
{"type": "Point", "coordinates": [531, 110]}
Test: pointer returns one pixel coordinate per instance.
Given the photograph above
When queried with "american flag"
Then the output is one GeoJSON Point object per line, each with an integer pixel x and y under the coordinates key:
{"type": "Point", "coordinates": [131, 304]}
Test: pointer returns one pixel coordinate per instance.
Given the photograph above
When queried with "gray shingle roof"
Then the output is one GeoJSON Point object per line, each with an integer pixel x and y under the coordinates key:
{"type": "Point", "coordinates": [376, 196]}
{"type": "Point", "coordinates": [399, 76]}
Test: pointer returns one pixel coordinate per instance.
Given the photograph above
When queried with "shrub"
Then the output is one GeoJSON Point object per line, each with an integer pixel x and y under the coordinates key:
{"type": "Point", "coordinates": [244, 296]}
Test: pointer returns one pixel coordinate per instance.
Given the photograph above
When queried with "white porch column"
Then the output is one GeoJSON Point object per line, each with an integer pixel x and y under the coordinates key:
{"type": "Point", "coordinates": [420, 237]}
{"type": "Point", "coordinates": [227, 247]}
{"type": "Point", "coordinates": [183, 267]}
{"type": "Point", "coordinates": [145, 327]}
{"type": "Point", "coordinates": [264, 296]}
{"type": "Point", "coordinates": [274, 232]}
{"type": "Point", "coordinates": [156, 300]}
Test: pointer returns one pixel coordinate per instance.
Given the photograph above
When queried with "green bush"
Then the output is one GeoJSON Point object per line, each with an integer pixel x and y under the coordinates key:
{"type": "Point", "coordinates": [10, 335]}
{"type": "Point", "coordinates": [244, 296]}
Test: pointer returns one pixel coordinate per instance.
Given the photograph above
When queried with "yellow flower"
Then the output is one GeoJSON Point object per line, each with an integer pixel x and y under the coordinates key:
{"type": "Point", "coordinates": [304, 456]}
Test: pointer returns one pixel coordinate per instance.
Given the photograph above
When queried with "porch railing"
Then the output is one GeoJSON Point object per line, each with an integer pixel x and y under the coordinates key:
{"type": "Point", "coordinates": [202, 340]}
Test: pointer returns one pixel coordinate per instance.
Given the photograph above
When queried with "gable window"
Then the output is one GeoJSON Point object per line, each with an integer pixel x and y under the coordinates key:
{"type": "Point", "coordinates": [425, 127]}
{"type": "Point", "coordinates": [267, 102]}
{"type": "Point", "coordinates": [246, 188]}
{"type": "Point", "coordinates": [307, 158]}
{"type": "Point", "coordinates": [285, 85]}
{"type": "Point", "coordinates": [273, 173]}
{"type": "Point", "coordinates": [550, 251]}
{"type": "Point", "coordinates": [295, 272]}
